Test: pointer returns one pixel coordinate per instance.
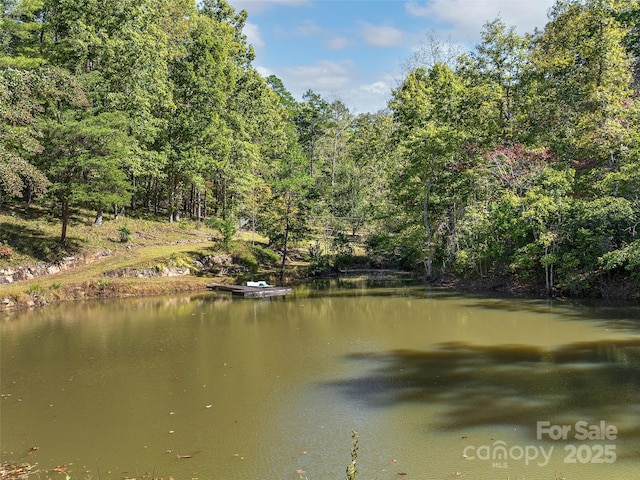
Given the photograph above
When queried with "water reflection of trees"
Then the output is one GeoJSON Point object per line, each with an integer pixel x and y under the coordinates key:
{"type": "Point", "coordinates": [508, 385]}
{"type": "Point", "coordinates": [619, 315]}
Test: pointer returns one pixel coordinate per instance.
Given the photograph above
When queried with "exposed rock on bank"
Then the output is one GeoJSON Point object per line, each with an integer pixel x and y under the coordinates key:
{"type": "Point", "coordinates": [219, 265]}
{"type": "Point", "coordinates": [148, 272]}
{"type": "Point", "coordinates": [17, 274]}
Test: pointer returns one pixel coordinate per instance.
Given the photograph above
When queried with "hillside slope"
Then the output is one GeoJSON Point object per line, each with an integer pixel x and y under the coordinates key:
{"type": "Point", "coordinates": [158, 258]}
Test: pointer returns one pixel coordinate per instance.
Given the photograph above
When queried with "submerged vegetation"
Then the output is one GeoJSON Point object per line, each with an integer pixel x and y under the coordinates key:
{"type": "Point", "coordinates": [517, 163]}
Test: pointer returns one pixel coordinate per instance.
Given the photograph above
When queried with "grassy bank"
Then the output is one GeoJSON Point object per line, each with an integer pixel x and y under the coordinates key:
{"type": "Point", "coordinates": [31, 237]}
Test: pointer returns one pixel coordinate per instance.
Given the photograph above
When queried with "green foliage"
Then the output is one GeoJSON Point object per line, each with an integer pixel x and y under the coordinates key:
{"type": "Point", "coordinates": [522, 161]}
{"type": "Point", "coordinates": [86, 160]}
{"type": "Point", "coordinates": [125, 233]}
{"type": "Point", "coordinates": [584, 83]}
{"type": "Point", "coordinates": [399, 249]}
{"type": "Point", "coordinates": [19, 33]}
{"type": "Point", "coordinates": [319, 263]}
{"type": "Point", "coordinates": [627, 257]}
{"type": "Point", "coordinates": [341, 245]}
{"type": "Point", "coordinates": [181, 261]}
{"type": "Point", "coordinates": [433, 178]}
{"type": "Point", "coordinates": [19, 132]}
{"type": "Point", "coordinates": [265, 255]}
{"type": "Point", "coordinates": [34, 289]}
{"type": "Point", "coordinates": [226, 227]}
{"type": "Point", "coordinates": [361, 190]}
{"type": "Point", "coordinates": [244, 254]}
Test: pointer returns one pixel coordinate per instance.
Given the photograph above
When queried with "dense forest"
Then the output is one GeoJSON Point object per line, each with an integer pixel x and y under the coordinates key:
{"type": "Point", "coordinates": [519, 159]}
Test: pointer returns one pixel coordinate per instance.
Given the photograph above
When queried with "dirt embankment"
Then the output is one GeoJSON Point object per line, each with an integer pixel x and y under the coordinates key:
{"type": "Point", "coordinates": [102, 289]}
{"type": "Point", "coordinates": [154, 270]}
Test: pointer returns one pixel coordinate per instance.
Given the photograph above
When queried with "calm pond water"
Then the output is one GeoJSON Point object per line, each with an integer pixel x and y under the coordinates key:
{"type": "Point", "coordinates": [438, 386]}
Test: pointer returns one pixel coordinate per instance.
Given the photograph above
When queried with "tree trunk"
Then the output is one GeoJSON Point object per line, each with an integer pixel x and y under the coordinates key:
{"type": "Point", "coordinates": [133, 197]}
{"type": "Point", "coordinates": [286, 242]}
{"type": "Point", "coordinates": [428, 260]}
{"type": "Point", "coordinates": [313, 151]}
{"type": "Point", "coordinates": [224, 199]}
{"type": "Point", "coordinates": [198, 206]}
{"type": "Point", "coordinates": [147, 194]}
{"type": "Point", "coordinates": [28, 195]}
{"type": "Point", "coordinates": [548, 273]}
{"type": "Point", "coordinates": [204, 202]}
{"type": "Point", "coordinates": [253, 218]}
{"type": "Point", "coordinates": [65, 222]}
{"type": "Point", "coordinates": [428, 266]}
{"type": "Point", "coordinates": [172, 201]}
{"type": "Point", "coordinates": [156, 197]}
{"type": "Point", "coordinates": [334, 156]}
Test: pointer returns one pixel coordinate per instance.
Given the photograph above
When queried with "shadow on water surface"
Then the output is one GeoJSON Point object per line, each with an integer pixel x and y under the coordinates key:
{"type": "Point", "coordinates": [482, 386]}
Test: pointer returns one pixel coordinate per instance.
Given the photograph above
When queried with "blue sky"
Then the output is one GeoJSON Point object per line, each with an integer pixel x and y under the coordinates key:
{"type": "Point", "coordinates": [354, 49]}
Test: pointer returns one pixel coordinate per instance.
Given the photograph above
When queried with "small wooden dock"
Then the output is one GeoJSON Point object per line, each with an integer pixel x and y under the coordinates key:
{"type": "Point", "coordinates": [251, 292]}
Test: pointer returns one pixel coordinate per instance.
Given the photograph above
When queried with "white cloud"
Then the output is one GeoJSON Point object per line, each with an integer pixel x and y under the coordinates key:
{"type": "Point", "coordinates": [322, 76]}
{"type": "Point", "coordinates": [377, 88]}
{"type": "Point", "coordinates": [336, 80]}
{"type": "Point", "coordinates": [252, 31]}
{"type": "Point", "coordinates": [265, 72]}
{"type": "Point", "coordinates": [368, 97]}
{"type": "Point", "coordinates": [381, 35]}
{"type": "Point", "coordinates": [337, 43]}
{"type": "Point", "coordinates": [258, 6]}
{"type": "Point", "coordinates": [466, 18]}
{"type": "Point", "coordinates": [306, 29]}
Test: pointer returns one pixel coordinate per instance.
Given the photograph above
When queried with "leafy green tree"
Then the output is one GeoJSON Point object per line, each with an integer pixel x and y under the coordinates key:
{"type": "Point", "coordinates": [286, 99]}
{"type": "Point", "coordinates": [492, 229]}
{"type": "Point", "coordinates": [20, 32]}
{"type": "Point", "coordinates": [545, 209]}
{"type": "Point", "coordinates": [430, 183]}
{"type": "Point", "coordinates": [494, 75]}
{"type": "Point", "coordinates": [340, 127]}
{"type": "Point", "coordinates": [312, 120]}
{"type": "Point", "coordinates": [260, 124]}
{"type": "Point", "coordinates": [85, 158]}
{"type": "Point", "coordinates": [285, 213]}
{"type": "Point", "coordinates": [220, 126]}
{"type": "Point", "coordinates": [584, 83]}
{"type": "Point", "coordinates": [203, 79]}
{"type": "Point", "coordinates": [629, 16]}
{"type": "Point", "coordinates": [363, 179]}
{"type": "Point", "coordinates": [19, 133]}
